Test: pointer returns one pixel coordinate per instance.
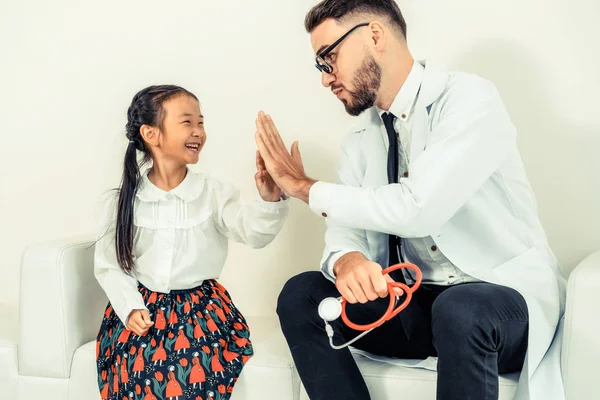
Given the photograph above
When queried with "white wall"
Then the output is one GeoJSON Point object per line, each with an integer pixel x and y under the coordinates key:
{"type": "Point", "coordinates": [69, 69]}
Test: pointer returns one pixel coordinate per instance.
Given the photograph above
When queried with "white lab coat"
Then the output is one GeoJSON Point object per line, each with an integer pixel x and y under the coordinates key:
{"type": "Point", "coordinates": [466, 188]}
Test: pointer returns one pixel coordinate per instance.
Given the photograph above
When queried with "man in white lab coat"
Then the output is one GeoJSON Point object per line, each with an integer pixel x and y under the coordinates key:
{"type": "Point", "coordinates": [431, 176]}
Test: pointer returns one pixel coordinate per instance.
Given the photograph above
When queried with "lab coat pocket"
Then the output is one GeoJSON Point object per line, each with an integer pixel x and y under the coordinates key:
{"type": "Point", "coordinates": [529, 272]}
{"type": "Point", "coordinates": [516, 263]}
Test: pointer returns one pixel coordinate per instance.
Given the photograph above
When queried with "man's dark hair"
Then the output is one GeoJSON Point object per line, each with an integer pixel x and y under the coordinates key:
{"type": "Point", "coordinates": [344, 10]}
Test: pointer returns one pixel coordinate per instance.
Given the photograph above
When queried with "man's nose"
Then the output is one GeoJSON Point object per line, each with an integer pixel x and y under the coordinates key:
{"type": "Point", "coordinates": [327, 79]}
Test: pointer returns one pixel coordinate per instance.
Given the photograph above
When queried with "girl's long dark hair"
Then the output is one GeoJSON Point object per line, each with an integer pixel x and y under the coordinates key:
{"type": "Point", "coordinates": [146, 109]}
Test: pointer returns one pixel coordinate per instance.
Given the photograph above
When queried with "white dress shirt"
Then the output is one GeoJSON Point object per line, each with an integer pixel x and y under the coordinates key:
{"type": "Point", "coordinates": [181, 237]}
{"type": "Point", "coordinates": [423, 252]}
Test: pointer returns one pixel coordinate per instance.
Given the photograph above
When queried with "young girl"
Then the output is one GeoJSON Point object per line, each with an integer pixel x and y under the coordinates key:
{"type": "Point", "coordinates": [170, 330]}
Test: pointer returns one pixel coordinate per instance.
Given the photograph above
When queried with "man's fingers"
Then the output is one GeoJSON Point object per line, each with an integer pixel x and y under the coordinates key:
{"type": "Point", "coordinates": [364, 281]}
{"type": "Point", "coordinates": [269, 127]}
{"type": "Point", "coordinates": [265, 133]}
{"type": "Point", "coordinates": [274, 132]}
{"type": "Point", "coordinates": [268, 150]}
{"type": "Point", "coordinates": [347, 294]}
{"type": "Point", "coordinates": [273, 150]}
{"type": "Point", "coordinates": [272, 137]}
{"type": "Point", "coordinates": [379, 283]}
{"type": "Point", "coordinates": [358, 291]}
{"type": "Point", "coordinates": [296, 156]}
{"type": "Point", "coordinates": [263, 148]}
{"type": "Point", "coordinates": [261, 132]}
{"type": "Point", "coordinates": [398, 291]}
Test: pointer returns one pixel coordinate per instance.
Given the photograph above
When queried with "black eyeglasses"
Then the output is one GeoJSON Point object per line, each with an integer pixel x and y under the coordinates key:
{"type": "Point", "coordinates": [321, 63]}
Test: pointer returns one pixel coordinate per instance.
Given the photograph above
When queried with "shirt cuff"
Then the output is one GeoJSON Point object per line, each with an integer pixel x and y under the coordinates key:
{"type": "Point", "coordinates": [133, 304]}
{"type": "Point", "coordinates": [271, 206]}
{"type": "Point", "coordinates": [319, 197]}
{"type": "Point", "coordinates": [332, 260]}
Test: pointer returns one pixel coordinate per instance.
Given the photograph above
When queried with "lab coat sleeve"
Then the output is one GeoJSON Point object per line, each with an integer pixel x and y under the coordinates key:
{"type": "Point", "coordinates": [255, 223]}
{"type": "Point", "coordinates": [120, 288]}
{"type": "Point", "coordinates": [473, 137]}
{"type": "Point", "coordinates": [339, 239]}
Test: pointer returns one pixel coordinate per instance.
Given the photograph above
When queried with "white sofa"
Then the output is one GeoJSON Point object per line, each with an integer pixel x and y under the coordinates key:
{"type": "Point", "coordinates": [61, 305]}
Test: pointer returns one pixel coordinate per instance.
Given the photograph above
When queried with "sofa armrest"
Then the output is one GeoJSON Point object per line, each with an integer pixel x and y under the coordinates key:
{"type": "Point", "coordinates": [581, 344]}
{"type": "Point", "coordinates": [61, 305]}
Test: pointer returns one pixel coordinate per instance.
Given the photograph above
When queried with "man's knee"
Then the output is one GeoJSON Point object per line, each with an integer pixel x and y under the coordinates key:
{"type": "Point", "coordinates": [457, 316]}
{"type": "Point", "coordinates": [297, 293]}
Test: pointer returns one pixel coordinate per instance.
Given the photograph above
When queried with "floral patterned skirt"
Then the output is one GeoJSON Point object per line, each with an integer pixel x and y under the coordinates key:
{"type": "Point", "coordinates": [196, 349]}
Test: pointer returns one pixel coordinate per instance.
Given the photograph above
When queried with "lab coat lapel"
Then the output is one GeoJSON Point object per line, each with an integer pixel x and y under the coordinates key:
{"type": "Point", "coordinates": [374, 152]}
{"type": "Point", "coordinates": [432, 87]}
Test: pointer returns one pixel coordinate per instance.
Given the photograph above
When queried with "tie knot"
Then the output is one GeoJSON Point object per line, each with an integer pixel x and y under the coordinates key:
{"type": "Point", "coordinates": [388, 118]}
{"type": "Point", "coordinates": [388, 122]}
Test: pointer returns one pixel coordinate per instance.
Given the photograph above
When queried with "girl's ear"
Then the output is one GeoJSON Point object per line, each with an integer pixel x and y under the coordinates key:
{"type": "Point", "coordinates": [150, 134]}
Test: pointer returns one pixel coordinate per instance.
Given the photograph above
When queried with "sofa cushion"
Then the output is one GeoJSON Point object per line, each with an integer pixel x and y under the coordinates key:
{"type": "Point", "coordinates": [268, 375]}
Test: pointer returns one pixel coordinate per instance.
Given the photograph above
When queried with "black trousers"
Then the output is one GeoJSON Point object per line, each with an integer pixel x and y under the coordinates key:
{"type": "Point", "coordinates": [477, 330]}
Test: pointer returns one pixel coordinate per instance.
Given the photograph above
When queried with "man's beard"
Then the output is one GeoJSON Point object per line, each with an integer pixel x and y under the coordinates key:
{"type": "Point", "coordinates": [366, 82]}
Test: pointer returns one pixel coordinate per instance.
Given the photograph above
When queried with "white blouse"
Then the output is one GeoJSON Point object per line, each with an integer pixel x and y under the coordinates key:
{"type": "Point", "coordinates": [181, 237]}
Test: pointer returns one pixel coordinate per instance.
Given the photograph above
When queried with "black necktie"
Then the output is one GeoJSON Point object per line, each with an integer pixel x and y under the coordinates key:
{"type": "Point", "coordinates": [392, 172]}
{"type": "Point", "coordinates": [409, 314]}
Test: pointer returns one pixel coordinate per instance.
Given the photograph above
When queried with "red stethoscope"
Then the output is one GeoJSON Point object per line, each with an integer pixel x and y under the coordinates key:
{"type": "Point", "coordinates": [332, 308]}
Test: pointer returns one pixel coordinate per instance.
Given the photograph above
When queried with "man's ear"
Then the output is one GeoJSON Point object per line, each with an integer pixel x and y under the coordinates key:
{"type": "Point", "coordinates": [149, 134]}
{"type": "Point", "coordinates": [379, 33]}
